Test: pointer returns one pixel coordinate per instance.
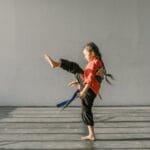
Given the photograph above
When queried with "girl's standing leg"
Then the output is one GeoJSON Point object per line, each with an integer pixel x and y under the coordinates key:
{"type": "Point", "coordinates": [87, 115]}
{"type": "Point", "coordinates": [91, 133]}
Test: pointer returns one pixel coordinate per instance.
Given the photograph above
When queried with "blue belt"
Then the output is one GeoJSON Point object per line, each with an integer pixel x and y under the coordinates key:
{"type": "Point", "coordinates": [66, 103]}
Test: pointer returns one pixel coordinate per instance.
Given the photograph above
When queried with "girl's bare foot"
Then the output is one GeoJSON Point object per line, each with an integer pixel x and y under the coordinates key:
{"type": "Point", "coordinates": [52, 63]}
{"type": "Point", "coordinates": [91, 138]}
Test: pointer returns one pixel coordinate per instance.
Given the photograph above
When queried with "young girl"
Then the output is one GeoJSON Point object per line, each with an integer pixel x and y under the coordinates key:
{"type": "Point", "coordinates": [90, 81]}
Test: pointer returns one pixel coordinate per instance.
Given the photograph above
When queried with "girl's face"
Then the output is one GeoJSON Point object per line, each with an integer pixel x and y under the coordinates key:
{"type": "Point", "coordinates": [87, 54]}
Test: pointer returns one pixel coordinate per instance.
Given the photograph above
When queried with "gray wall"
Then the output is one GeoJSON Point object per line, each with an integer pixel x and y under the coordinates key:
{"type": "Point", "coordinates": [30, 28]}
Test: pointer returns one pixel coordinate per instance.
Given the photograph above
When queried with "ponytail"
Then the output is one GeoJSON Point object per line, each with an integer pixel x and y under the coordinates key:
{"type": "Point", "coordinates": [93, 47]}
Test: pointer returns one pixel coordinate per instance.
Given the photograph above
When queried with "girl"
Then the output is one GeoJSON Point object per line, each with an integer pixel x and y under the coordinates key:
{"type": "Point", "coordinates": [89, 80]}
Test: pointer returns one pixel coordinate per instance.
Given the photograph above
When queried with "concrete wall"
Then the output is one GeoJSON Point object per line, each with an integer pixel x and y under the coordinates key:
{"type": "Point", "coordinates": [29, 28]}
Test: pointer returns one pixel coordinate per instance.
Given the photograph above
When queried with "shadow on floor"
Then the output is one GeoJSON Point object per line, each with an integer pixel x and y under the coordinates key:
{"type": "Point", "coordinates": [5, 111]}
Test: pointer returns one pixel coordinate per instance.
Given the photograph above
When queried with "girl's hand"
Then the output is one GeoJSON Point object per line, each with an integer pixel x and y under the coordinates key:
{"type": "Point", "coordinates": [82, 94]}
{"type": "Point", "coordinates": [73, 83]}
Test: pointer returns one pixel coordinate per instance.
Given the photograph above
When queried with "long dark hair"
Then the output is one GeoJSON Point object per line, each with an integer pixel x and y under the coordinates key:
{"type": "Point", "coordinates": [91, 46]}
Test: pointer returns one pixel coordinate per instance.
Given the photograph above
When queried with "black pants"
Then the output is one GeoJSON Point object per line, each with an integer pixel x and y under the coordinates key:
{"type": "Point", "coordinates": [87, 115]}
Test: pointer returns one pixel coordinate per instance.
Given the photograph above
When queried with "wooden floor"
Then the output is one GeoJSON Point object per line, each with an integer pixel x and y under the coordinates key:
{"type": "Point", "coordinates": [49, 128]}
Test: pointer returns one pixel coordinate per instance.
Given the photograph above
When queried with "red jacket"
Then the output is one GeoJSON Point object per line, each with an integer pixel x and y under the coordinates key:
{"type": "Point", "coordinates": [90, 73]}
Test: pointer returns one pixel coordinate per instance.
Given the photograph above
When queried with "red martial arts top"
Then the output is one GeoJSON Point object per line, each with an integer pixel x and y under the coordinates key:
{"type": "Point", "coordinates": [89, 76]}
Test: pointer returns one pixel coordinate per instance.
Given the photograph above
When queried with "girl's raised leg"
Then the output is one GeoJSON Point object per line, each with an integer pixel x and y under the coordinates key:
{"type": "Point", "coordinates": [53, 63]}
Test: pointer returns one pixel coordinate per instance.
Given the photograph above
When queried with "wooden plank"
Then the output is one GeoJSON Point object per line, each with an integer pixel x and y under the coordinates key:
{"type": "Point", "coordinates": [71, 137]}
{"type": "Point", "coordinates": [48, 109]}
{"type": "Point", "coordinates": [22, 125]}
{"type": "Point", "coordinates": [97, 119]}
{"type": "Point", "coordinates": [147, 107]}
{"type": "Point", "coordinates": [38, 120]}
{"type": "Point", "coordinates": [76, 130]}
{"type": "Point", "coordinates": [78, 145]}
{"type": "Point", "coordinates": [68, 115]}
